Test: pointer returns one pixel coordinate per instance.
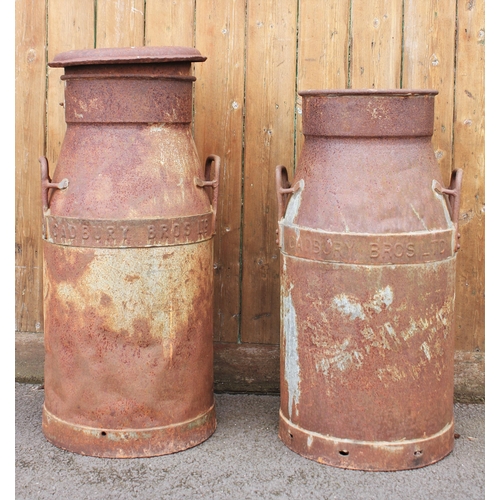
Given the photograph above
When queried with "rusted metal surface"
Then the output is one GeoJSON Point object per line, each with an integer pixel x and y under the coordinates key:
{"type": "Point", "coordinates": [368, 243]}
{"type": "Point", "coordinates": [128, 259]}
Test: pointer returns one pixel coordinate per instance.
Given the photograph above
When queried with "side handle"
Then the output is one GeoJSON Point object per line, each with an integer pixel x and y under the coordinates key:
{"type": "Point", "coordinates": [283, 191]}
{"type": "Point", "coordinates": [206, 182]}
{"type": "Point", "coordinates": [48, 184]}
{"type": "Point", "coordinates": [453, 201]}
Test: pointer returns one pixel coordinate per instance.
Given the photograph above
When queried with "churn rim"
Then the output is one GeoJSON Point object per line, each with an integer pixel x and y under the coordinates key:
{"type": "Point", "coordinates": [127, 55]}
{"type": "Point", "coordinates": [367, 92]}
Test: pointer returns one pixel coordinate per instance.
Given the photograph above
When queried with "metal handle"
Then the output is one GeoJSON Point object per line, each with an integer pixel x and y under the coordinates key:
{"type": "Point", "coordinates": [283, 191]}
{"type": "Point", "coordinates": [47, 183]}
{"type": "Point", "coordinates": [453, 201]}
{"type": "Point", "coordinates": [211, 159]}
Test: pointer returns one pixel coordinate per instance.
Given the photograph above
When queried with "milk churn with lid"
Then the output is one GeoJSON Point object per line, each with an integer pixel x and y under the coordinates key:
{"type": "Point", "coordinates": [128, 221]}
{"type": "Point", "coordinates": [368, 237]}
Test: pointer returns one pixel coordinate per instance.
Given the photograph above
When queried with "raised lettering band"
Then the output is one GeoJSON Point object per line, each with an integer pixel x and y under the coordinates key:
{"type": "Point", "coordinates": [370, 249]}
{"type": "Point", "coordinates": [102, 233]}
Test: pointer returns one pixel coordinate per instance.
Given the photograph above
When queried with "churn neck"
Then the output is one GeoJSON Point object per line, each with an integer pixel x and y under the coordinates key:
{"type": "Point", "coordinates": [128, 85]}
{"type": "Point", "coordinates": [368, 112]}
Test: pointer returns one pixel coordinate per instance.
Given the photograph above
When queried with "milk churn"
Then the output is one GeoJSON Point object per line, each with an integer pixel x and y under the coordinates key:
{"type": "Point", "coordinates": [368, 237]}
{"type": "Point", "coordinates": [128, 220]}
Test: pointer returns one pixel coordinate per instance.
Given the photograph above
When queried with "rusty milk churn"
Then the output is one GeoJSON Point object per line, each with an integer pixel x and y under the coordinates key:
{"type": "Point", "coordinates": [128, 261]}
{"type": "Point", "coordinates": [368, 237]}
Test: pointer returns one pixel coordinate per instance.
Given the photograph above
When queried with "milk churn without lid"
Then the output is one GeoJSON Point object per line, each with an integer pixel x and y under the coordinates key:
{"type": "Point", "coordinates": [128, 259]}
{"type": "Point", "coordinates": [368, 238]}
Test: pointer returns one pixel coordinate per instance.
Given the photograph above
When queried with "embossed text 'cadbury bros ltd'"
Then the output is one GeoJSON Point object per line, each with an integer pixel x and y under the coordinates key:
{"type": "Point", "coordinates": [368, 238]}
{"type": "Point", "coordinates": [128, 261]}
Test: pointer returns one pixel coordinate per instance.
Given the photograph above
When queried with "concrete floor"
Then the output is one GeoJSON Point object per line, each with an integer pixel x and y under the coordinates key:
{"type": "Point", "coordinates": [244, 459]}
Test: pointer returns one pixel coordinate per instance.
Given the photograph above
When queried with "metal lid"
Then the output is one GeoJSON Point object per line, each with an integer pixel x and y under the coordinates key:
{"type": "Point", "coordinates": [367, 92]}
{"type": "Point", "coordinates": [126, 55]}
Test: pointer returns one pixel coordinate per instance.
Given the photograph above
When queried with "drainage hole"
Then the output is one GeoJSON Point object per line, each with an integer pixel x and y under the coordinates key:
{"type": "Point", "coordinates": [418, 453]}
{"type": "Point", "coordinates": [103, 433]}
{"type": "Point", "coordinates": [343, 453]}
{"type": "Point", "coordinates": [291, 435]}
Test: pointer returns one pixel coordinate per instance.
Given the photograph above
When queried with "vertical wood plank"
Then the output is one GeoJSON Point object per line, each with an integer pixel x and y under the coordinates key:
{"type": "Point", "coordinates": [323, 50]}
{"type": "Point", "coordinates": [323, 44]}
{"type": "Point", "coordinates": [120, 23]}
{"type": "Point", "coordinates": [70, 26]}
{"type": "Point", "coordinates": [170, 22]}
{"type": "Point", "coordinates": [269, 141]}
{"type": "Point", "coordinates": [376, 44]}
{"type": "Point", "coordinates": [220, 35]}
{"type": "Point", "coordinates": [30, 72]}
{"type": "Point", "coordinates": [428, 63]}
{"type": "Point", "coordinates": [468, 154]}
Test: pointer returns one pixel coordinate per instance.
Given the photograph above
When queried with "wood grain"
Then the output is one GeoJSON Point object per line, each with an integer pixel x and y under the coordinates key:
{"type": "Point", "coordinates": [170, 22]}
{"type": "Point", "coordinates": [323, 50]}
{"type": "Point", "coordinates": [428, 63]}
{"type": "Point", "coordinates": [120, 23]}
{"type": "Point", "coordinates": [218, 129]}
{"type": "Point", "coordinates": [376, 44]}
{"type": "Point", "coordinates": [468, 154]}
{"type": "Point", "coordinates": [70, 27]}
{"type": "Point", "coordinates": [269, 141]}
{"type": "Point", "coordinates": [30, 130]}
{"type": "Point", "coordinates": [246, 368]}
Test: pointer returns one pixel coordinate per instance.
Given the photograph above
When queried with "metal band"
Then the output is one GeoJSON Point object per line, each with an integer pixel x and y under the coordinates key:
{"type": "Point", "coordinates": [370, 249]}
{"type": "Point", "coordinates": [102, 233]}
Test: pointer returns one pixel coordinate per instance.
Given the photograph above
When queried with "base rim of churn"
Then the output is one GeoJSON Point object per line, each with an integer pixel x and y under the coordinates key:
{"type": "Point", "coordinates": [128, 443]}
{"type": "Point", "coordinates": [374, 456]}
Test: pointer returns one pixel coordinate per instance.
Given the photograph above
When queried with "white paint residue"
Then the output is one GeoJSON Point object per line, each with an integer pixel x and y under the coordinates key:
{"type": "Point", "coordinates": [368, 334]}
{"type": "Point", "coordinates": [346, 227]}
{"type": "Point", "coordinates": [309, 441]}
{"type": "Point", "coordinates": [348, 307]}
{"type": "Point", "coordinates": [410, 331]}
{"type": "Point", "coordinates": [342, 358]}
{"type": "Point", "coordinates": [292, 370]}
{"type": "Point", "coordinates": [390, 330]}
{"type": "Point", "coordinates": [158, 127]}
{"type": "Point", "coordinates": [441, 316]}
{"type": "Point", "coordinates": [293, 206]}
{"type": "Point", "coordinates": [384, 296]}
{"type": "Point", "coordinates": [426, 350]}
{"type": "Point", "coordinates": [358, 356]}
{"type": "Point", "coordinates": [418, 217]}
{"type": "Point", "coordinates": [167, 328]}
{"type": "Point", "coordinates": [391, 373]}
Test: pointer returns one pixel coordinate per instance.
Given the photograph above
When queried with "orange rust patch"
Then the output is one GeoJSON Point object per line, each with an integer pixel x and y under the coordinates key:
{"type": "Point", "coordinates": [67, 266]}
{"type": "Point", "coordinates": [131, 278]}
{"type": "Point", "coordinates": [105, 300]}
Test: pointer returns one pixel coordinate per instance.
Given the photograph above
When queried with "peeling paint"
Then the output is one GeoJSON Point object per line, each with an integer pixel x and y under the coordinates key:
{"type": "Point", "coordinates": [292, 369]}
{"type": "Point", "coordinates": [384, 296]}
{"type": "Point", "coordinates": [410, 331]}
{"type": "Point", "coordinates": [394, 373]}
{"type": "Point", "coordinates": [157, 127]}
{"type": "Point", "coordinates": [426, 350]}
{"type": "Point", "coordinates": [348, 307]}
{"type": "Point", "coordinates": [390, 330]}
{"type": "Point", "coordinates": [293, 206]}
{"type": "Point", "coordinates": [341, 358]}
